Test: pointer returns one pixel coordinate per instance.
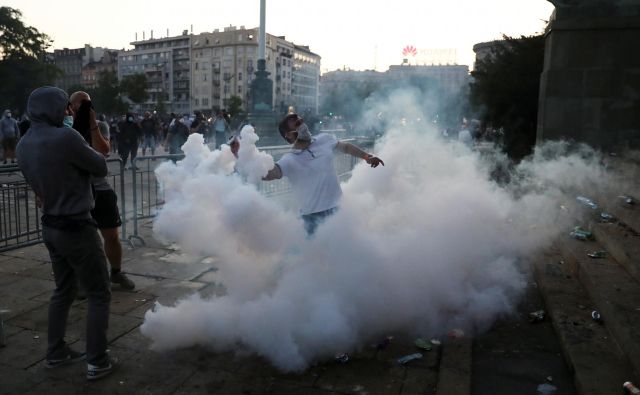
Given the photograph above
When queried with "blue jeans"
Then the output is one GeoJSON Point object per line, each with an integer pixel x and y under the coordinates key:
{"type": "Point", "coordinates": [311, 221]}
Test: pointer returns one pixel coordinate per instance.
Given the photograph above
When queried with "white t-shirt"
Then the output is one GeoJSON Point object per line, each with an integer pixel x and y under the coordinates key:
{"type": "Point", "coordinates": [312, 175]}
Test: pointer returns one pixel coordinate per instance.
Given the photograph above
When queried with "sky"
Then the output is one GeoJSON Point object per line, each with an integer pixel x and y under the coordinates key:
{"type": "Point", "coordinates": [352, 34]}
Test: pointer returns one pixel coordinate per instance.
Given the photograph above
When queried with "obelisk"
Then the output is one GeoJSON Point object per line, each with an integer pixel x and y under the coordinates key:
{"type": "Point", "coordinates": [262, 86]}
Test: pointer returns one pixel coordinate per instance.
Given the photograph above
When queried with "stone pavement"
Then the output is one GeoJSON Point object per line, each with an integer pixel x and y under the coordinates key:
{"type": "Point", "coordinates": [165, 275]}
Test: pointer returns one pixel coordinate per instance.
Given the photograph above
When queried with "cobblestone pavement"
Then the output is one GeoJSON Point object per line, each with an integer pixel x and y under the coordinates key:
{"type": "Point", "coordinates": [164, 275]}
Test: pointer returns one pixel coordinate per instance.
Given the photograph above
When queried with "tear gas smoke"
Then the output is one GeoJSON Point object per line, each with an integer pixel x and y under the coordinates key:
{"type": "Point", "coordinates": [423, 245]}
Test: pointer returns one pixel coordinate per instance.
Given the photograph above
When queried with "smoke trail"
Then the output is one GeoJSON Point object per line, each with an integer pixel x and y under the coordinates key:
{"type": "Point", "coordinates": [423, 245]}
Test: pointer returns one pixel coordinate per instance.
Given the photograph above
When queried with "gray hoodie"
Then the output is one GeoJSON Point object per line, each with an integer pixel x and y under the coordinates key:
{"type": "Point", "coordinates": [55, 160]}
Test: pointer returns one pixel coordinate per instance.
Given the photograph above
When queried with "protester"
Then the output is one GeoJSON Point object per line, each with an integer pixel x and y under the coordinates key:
{"type": "Point", "coordinates": [149, 133]}
{"type": "Point", "coordinates": [310, 170]}
{"type": "Point", "coordinates": [220, 126]}
{"type": "Point", "coordinates": [113, 135]}
{"type": "Point", "coordinates": [128, 139]}
{"type": "Point", "coordinates": [177, 136]}
{"type": "Point", "coordinates": [199, 125]}
{"type": "Point", "coordinates": [24, 125]}
{"type": "Point", "coordinates": [9, 134]}
{"type": "Point", "coordinates": [105, 213]}
{"type": "Point", "coordinates": [57, 163]}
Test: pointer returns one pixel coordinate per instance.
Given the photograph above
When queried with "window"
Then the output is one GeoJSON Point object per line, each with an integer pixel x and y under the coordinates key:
{"type": "Point", "coordinates": [196, 65]}
{"type": "Point", "coordinates": [197, 102]}
{"type": "Point", "coordinates": [205, 101]}
{"type": "Point", "coordinates": [228, 51]}
{"type": "Point", "coordinates": [239, 76]}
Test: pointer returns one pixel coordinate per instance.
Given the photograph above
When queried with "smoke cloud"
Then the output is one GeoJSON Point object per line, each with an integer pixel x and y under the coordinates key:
{"type": "Point", "coordinates": [420, 246]}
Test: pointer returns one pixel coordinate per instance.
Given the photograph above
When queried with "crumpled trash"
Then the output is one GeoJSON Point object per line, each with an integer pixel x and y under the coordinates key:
{"type": "Point", "coordinates": [587, 202]}
{"type": "Point", "coordinates": [408, 358]}
{"type": "Point", "coordinates": [435, 342]}
{"type": "Point", "coordinates": [547, 389]}
{"type": "Point", "coordinates": [581, 234]}
{"type": "Point", "coordinates": [342, 358]}
{"type": "Point", "coordinates": [423, 344]}
{"type": "Point", "coordinates": [627, 199]}
{"type": "Point", "coordinates": [595, 315]}
{"type": "Point", "coordinates": [606, 217]}
{"type": "Point", "coordinates": [597, 254]}
{"type": "Point", "coordinates": [537, 316]}
{"type": "Point", "coordinates": [629, 388]}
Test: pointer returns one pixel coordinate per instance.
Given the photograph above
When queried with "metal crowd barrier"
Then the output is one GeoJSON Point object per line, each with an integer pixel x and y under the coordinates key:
{"type": "Point", "coordinates": [20, 216]}
{"type": "Point", "coordinates": [19, 213]}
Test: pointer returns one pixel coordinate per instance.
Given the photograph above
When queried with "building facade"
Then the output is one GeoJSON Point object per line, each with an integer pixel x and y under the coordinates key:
{"type": "Point", "coordinates": [71, 62]}
{"type": "Point", "coordinates": [451, 79]}
{"type": "Point", "coordinates": [167, 64]}
{"type": "Point", "coordinates": [224, 63]}
{"type": "Point", "coordinates": [91, 71]}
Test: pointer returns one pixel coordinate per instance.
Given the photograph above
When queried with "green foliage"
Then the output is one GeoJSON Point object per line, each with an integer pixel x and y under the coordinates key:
{"type": "Point", "coordinates": [18, 40]}
{"type": "Point", "coordinates": [106, 97]}
{"type": "Point", "coordinates": [506, 89]}
{"type": "Point", "coordinates": [22, 60]}
{"type": "Point", "coordinates": [235, 106]}
{"type": "Point", "coordinates": [135, 87]}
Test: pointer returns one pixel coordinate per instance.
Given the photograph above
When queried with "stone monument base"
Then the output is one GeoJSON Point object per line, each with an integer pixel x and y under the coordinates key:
{"type": "Point", "coordinates": [590, 86]}
{"type": "Point", "coordinates": [266, 125]}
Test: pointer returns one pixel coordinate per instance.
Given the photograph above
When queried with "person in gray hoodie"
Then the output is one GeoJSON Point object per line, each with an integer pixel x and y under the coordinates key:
{"type": "Point", "coordinates": [58, 164]}
{"type": "Point", "coordinates": [9, 134]}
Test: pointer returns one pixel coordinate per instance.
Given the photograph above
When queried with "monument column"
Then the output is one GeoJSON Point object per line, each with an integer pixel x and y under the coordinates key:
{"type": "Point", "coordinates": [590, 85]}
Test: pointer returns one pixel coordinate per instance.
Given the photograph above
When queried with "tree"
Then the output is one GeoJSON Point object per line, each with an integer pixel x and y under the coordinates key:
{"type": "Point", "coordinates": [22, 60]}
{"type": "Point", "coordinates": [135, 87]}
{"type": "Point", "coordinates": [106, 96]}
{"type": "Point", "coordinates": [235, 106]}
{"type": "Point", "coordinates": [506, 89]}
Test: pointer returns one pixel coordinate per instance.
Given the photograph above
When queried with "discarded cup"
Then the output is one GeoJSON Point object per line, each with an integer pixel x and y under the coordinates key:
{"type": "Point", "coordinates": [423, 344]}
{"type": "Point", "coordinates": [455, 333]}
{"type": "Point", "coordinates": [597, 254]}
{"type": "Point", "coordinates": [536, 316]}
{"type": "Point", "coordinates": [581, 234]}
{"type": "Point", "coordinates": [629, 388]}
{"type": "Point", "coordinates": [435, 342]}
{"type": "Point", "coordinates": [630, 200]}
{"type": "Point", "coordinates": [342, 358]}
{"type": "Point", "coordinates": [408, 358]}
{"type": "Point", "coordinates": [587, 202]}
{"type": "Point", "coordinates": [595, 315]}
{"type": "Point", "coordinates": [547, 389]}
{"type": "Point", "coordinates": [606, 217]}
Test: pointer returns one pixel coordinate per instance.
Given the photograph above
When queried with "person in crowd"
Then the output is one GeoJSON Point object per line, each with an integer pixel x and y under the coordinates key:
{"type": "Point", "coordinates": [58, 164]}
{"type": "Point", "coordinates": [9, 135]}
{"type": "Point", "coordinates": [113, 135]}
{"type": "Point", "coordinates": [128, 139]}
{"type": "Point", "coordinates": [220, 126]}
{"type": "Point", "coordinates": [24, 125]}
{"type": "Point", "coordinates": [105, 212]}
{"type": "Point", "coordinates": [310, 170]}
{"type": "Point", "coordinates": [149, 128]}
{"type": "Point", "coordinates": [177, 136]}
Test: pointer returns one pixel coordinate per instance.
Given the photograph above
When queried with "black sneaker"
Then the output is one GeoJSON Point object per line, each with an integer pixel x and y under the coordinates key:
{"type": "Point", "coordinates": [124, 281]}
{"type": "Point", "coordinates": [95, 372]}
{"type": "Point", "coordinates": [72, 356]}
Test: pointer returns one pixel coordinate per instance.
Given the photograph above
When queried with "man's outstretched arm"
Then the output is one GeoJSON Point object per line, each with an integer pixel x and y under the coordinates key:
{"type": "Point", "coordinates": [273, 174]}
{"type": "Point", "coordinates": [353, 150]}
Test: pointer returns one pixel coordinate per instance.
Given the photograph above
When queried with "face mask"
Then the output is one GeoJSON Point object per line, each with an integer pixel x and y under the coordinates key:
{"type": "Point", "coordinates": [9, 115]}
{"type": "Point", "coordinates": [68, 121]}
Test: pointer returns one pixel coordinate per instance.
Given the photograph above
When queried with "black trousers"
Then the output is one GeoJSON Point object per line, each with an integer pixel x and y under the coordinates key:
{"type": "Point", "coordinates": [77, 256]}
{"type": "Point", "coordinates": [126, 149]}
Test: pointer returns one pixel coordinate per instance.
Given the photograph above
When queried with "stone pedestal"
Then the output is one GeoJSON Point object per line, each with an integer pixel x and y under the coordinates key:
{"type": "Point", "coordinates": [590, 86]}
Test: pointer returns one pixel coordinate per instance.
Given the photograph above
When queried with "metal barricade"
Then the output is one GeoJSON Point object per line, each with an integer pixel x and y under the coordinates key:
{"type": "Point", "coordinates": [145, 190]}
{"type": "Point", "coordinates": [19, 212]}
{"type": "Point", "coordinates": [147, 196]}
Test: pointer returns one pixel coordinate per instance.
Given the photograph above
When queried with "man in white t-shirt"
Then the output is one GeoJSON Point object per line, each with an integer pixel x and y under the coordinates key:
{"type": "Point", "coordinates": [309, 168]}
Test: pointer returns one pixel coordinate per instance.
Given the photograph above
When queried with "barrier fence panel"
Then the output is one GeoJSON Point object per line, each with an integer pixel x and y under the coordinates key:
{"type": "Point", "coordinates": [20, 216]}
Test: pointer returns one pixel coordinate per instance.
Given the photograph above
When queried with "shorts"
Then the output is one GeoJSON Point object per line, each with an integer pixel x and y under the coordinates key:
{"type": "Point", "coordinates": [105, 212]}
{"type": "Point", "coordinates": [149, 142]}
{"type": "Point", "coordinates": [9, 143]}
